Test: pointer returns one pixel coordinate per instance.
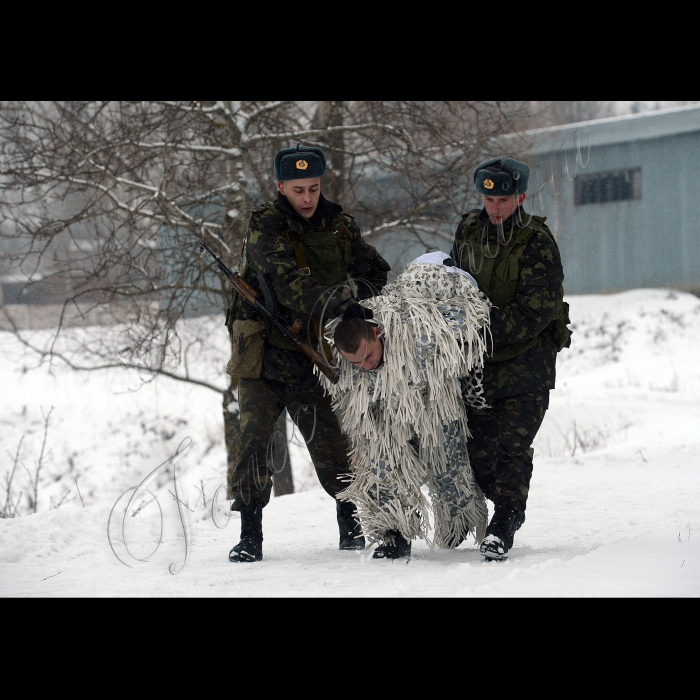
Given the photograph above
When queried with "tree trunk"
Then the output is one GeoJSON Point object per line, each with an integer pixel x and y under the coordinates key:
{"type": "Point", "coordinates": [233, 234]}
{"type": "Point", "coordinates": [232, 430]}
{"type": "Point", "coordinates": [330, 114]}
{"type": "Point", "coordinates": [282, 465]}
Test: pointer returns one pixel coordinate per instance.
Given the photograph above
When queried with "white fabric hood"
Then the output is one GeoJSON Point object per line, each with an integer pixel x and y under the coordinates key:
{"type": "Point", "coordinates": [437, 258]}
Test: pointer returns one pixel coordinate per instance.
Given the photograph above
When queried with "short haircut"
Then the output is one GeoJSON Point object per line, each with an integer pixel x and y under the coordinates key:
{"type": "Point", "coordinates": [349, 334]}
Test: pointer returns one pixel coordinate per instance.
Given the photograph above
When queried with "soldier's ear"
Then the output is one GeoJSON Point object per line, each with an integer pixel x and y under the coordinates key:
{"type": "Point", "coordinates": [280, 187]}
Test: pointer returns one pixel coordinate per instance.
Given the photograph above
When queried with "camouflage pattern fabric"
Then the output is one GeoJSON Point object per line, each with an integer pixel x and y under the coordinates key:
{"type": "Point", "coordinates": [292, 368]}
{"type": "Point", "coordinates": [529, 315]}
{"type": "Point", "coordinates": [519, 268]}
{"type": "Point", "coordinates": [500, 449]}
{"type": "Point", "coordinates": [446, 486]}
{"type": "Point", "coordinates": [406, 419]}
{"type": "Point", "coordinates": [261, 401]}
{"type": "Point", "coordinates": [334, 250]}
{"type": "Point", "coordinates": [451, 501]}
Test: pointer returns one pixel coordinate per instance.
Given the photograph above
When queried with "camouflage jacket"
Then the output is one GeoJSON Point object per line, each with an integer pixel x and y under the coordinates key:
{"type": "Point", "coordinates": [526, 321]}
{"type": "Point", "coordinates": [334, 253]}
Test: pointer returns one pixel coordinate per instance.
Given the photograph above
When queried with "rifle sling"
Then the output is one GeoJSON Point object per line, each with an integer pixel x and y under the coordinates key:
{"type": "Point", "coordinates": [299, 254]}
{"type": "Point", "coordinates": [306, 270]}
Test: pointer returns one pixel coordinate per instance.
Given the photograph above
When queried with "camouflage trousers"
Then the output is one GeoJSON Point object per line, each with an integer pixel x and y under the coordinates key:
{"type": "Point", "coordinates": [261, 401]}
{"type": "Point", "coordinates": [500, 449]}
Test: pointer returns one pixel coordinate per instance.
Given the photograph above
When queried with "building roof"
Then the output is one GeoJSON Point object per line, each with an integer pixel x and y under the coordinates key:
{"type": "Point", "coordinates": [629, 127]}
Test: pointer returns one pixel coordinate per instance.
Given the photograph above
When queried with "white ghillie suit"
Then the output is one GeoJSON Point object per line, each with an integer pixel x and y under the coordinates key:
{"type": "Point", "coordinates": [406, 420]}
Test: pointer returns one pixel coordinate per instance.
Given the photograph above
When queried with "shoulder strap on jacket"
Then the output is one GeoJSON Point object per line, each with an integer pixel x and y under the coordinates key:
{"type": "Point", "coordinates": [470, 218]}
{"type": "Point", "coordinates": [538, 224]}
{"type": "Point", "coordinates": [299, 253]}
{"type": "Point", "coordinates": [294, 235]}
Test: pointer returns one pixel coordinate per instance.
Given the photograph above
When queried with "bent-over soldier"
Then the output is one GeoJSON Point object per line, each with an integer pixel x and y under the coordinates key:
{"type": "Point", "coordinates": [308, 249]}
{"type": "Point", "coordinates": [399, 396]}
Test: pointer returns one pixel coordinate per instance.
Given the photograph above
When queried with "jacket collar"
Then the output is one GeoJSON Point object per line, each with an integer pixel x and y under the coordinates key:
{"type": "Point", "coordinates": [492, 229]}
{"type": "Point", "coordinates": [325, 209]}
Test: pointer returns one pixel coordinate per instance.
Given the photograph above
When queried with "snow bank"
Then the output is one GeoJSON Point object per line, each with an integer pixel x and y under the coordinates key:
{"type": "Point", "coordinates": [613, 507]}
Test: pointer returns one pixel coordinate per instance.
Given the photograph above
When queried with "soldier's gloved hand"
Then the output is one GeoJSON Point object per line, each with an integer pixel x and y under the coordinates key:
{"type": "Point", "coordinates": [357, 311]}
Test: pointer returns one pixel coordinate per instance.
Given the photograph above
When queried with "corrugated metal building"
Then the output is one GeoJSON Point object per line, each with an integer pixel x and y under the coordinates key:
{"type": "Point", "coordinates": [629, 218]}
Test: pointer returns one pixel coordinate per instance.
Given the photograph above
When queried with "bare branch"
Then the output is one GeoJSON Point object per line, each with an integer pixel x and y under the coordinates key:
{"type": "Point", "coordinates": [9, 509]}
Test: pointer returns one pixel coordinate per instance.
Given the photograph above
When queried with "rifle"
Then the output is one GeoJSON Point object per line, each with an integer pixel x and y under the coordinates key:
{"type": "Point", "coordinates": [269, 311]}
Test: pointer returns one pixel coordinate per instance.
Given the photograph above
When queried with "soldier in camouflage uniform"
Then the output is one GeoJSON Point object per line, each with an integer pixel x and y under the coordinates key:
{"type": "Point", "coordinates": [308, 249]}
{"type": "Point", "coordinates": [516, 262]}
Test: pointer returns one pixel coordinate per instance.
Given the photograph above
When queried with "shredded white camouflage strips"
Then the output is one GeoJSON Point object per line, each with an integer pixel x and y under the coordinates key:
{"type": "Point", "coordinates": [406, 420]}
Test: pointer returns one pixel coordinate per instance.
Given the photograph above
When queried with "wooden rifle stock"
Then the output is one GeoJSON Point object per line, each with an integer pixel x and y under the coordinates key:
{"type": "Point", "coordinates": [289, 332]}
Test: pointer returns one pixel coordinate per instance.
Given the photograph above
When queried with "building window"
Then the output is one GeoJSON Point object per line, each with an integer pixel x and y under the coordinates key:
{"type": "Point", "coordinates": [610, 186]}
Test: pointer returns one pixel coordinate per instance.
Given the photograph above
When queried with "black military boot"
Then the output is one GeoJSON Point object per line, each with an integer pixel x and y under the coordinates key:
{"type": "Point", "coordinates": [400, 548]}
{"type": "Point", "coordinates": [250, 547]}
{"type": "Point", "coordinates": [501, 531]}
{"type": "Point", "coordinates": [350, 531]}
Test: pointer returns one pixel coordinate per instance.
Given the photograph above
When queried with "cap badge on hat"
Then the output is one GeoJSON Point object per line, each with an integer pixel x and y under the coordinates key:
{"type": "Point", "coordinates": [488, 184]}
{"type": "Point", "coordinates": [302, 165]}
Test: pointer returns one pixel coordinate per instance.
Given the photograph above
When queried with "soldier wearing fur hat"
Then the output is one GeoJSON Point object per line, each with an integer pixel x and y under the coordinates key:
{"type": "Point", "coordinates": [305, 248]}
{"type": "Point", "coordinates": [515, 260]}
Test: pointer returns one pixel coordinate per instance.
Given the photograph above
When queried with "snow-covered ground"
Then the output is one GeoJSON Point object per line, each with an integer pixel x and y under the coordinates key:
{"type": "Point", "coordinates": [613, 508]}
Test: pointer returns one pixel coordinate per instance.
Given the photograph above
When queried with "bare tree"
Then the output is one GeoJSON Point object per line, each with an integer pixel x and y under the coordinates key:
{"type": "Point", "coordinates": [107, 200]}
